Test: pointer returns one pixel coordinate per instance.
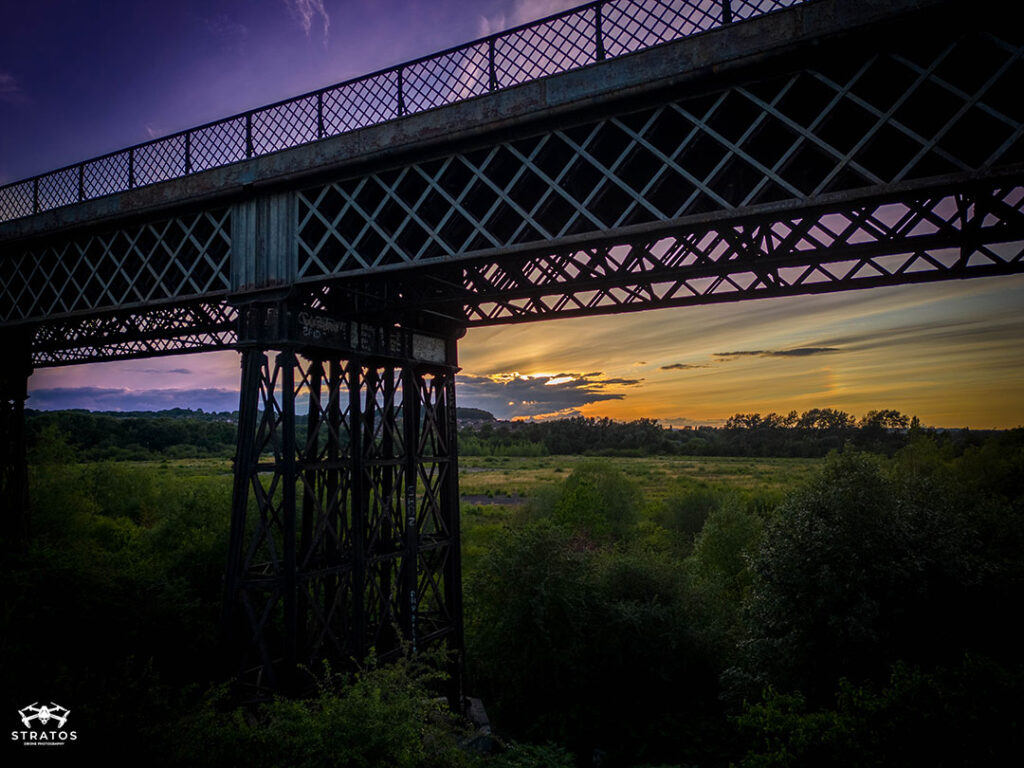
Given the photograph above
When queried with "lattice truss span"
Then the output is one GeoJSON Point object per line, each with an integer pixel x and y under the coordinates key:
{"type": "Point", "coordinates": [169, 260]}
{"type": "Point", "coordinates": [153, 332]}
{"type": "Point", "coordinates": [929, 236]}
{"type": "Point", "coordinates": [878, 117]}
{"type": "Point", "coordinates": [345, 514]}
{"type": "Point", "coordinates": [883, 243]}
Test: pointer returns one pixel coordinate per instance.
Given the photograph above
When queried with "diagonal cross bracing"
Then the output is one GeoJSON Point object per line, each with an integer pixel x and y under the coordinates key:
{"type": "Point", "coordinates": [795, 138]}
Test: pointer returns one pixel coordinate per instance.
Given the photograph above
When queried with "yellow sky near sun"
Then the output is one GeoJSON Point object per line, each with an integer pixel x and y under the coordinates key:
{"type": "Point", "coordinates": [952, 353]}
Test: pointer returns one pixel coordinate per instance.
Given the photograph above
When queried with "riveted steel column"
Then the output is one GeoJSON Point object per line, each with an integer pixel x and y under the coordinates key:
{"type": "Point", "coordinates": [237, 632]}
{"type": "Point", "coordinates": [410, 423]}
{"type": "Point", "coordinates": [453, 575]}
{"type": "Point", "coordinates": [358, 507]}
{"type": "Point", "coordinates": [287, 475]}
{"type": "Point", "coordinates": [14, 497]}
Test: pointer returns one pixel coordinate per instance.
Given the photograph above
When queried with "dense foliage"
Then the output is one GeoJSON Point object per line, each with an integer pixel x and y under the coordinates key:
{"type": "Point", "coordinates": [866, 618]}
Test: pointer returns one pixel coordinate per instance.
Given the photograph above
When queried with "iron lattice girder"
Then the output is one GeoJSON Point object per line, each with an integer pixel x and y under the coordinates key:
{"type": "Point", "coordinates": [175, 259]}
{"type": "Point", "coordinates": [152, 332]}
{"type": "Point", "coordinates": [925, 236]}
{"type": "Point", "coordinates": [350, 540]}
{"type": "Point", "coordinates": [914, 237]}
{"type": "Point", "coordinates": [854, 118]}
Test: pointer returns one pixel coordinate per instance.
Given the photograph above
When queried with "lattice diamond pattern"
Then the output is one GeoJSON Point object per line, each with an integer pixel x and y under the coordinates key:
{"type": "Point", "coordinates": [445, 79]}
{"type": "Point", "coordinates": [794, 137]}
{"type": "Point", "coordinates": [159, 161]}
{"type": "Point", "coordinates": [748, 9]}
{"type": "Point", "coordinates": [632, 26]}
{"type": "Point", "coordinates": [218, 144]}
{"type": "Point", "coordinates": [558, 45]}
{"type": "Point", "coordinates": [361, 103]}
{"type": "Point", "coordinates": [16, 200]}
{"type": "Point", "coordinates": [127, 335]}
{"type": "Point", "coordinates": [171, 259]}
{"type": "Point", "coordinates": [104, 176]}
{"type": "Point", "coordinates": [285, 125]}
{"type": "Point", "coordinates": [933, 237]}
{"type": "Point", "coordinates": [58, 188]}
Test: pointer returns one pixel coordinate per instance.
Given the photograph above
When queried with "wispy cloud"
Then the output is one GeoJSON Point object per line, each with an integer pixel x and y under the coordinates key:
{"type": "Point", "coordinates": [10, 87]}
{"type": "Point", "coordinates": [681, 366]}
{"type": "Point", "coordinates": [522, 12]}
{"type": "Point", "coordinates": [512, 395]}
{"type": "Point", "coordinates": [232, 33]}
{"type": "Point", "coordinates": [306, 11]}
{"type": "Point", "coordinates": [795, 352]}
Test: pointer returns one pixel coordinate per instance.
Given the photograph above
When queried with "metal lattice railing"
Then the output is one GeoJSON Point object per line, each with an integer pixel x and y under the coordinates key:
{"type": "Point", "coordinates": [569, 40]}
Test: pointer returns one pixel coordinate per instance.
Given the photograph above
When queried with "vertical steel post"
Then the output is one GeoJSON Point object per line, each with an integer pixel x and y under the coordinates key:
{"type": "Point", "coordinates": [492, 81]}
{"type": "Point", "coordinates": [287, 364]}
{"type": "Point", "coordinates": [320, 115]}
{"type": "Point", "coordinates": [726, 12]}
{"type": "Point", "coordinates": [401, 93]}
{"type": "Point", "coordinates": [453, 574]}
{"type": "Point", "coordinates": [14, 496]}
{"type": "Point", "coordinates": [410, 422]}
{"type": "Point", "coordinates": [358, 508]}
{"type": "Point", "coordinates": [598, 34]}
{"type": "Point", "coordinates": [233, 630]}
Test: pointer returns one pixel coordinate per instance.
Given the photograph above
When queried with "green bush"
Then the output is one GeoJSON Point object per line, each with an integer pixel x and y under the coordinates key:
{"type": "Point", "coordinates": [598, 501]}
{"type": "Point", "coordinates": [380, 716]}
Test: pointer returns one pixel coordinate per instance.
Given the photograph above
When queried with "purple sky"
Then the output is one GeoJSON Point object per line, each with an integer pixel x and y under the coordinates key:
{"type": "Point", "coordinates": [79, 79]}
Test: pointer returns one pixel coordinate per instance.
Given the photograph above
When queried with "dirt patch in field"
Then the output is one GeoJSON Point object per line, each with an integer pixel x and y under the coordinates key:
{"type": "Point", "coordinates": [481, 498]}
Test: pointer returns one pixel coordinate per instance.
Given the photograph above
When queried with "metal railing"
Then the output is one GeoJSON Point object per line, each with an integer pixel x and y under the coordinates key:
{"type": "Point", "coordinates": [589, 33]}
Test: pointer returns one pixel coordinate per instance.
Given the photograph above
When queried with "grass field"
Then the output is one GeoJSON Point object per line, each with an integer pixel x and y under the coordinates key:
{"type": "Point", "coordinates": [487, 479]}
{"type": "Point", "coordinates": [495, 490]}
{"type": "Point", "coordinates": [656, 476]}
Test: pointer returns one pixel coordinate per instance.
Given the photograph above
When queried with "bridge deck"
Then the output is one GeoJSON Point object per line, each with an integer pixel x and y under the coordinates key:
{"type": "Point", "coordinates": [823, 147]}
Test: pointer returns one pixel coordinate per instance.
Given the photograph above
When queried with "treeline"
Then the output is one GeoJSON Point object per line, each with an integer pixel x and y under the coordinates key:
{"type": "Point", "coordinates": [89, 436]}
{"type": "Point", "coordinates": [180, 433]}
{"type": "Point", "coordinates": [811, 434]}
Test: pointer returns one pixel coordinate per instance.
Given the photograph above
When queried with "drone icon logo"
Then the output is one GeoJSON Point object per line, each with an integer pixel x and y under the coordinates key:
{"type": "Point", "coordinates": [45, 725]}
{"type": "Point", "coordinates": [44, 714]}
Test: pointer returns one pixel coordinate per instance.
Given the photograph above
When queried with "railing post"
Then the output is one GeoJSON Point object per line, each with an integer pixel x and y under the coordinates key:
{"type": "Point", "coordinates": [492, 82]}
{"type": "Point", "coordinates": [81, 182]}
{"type": "Point", "coordinates": [35, 195]}
{"type": "Point", "coordinates": [726, 12]}
{"type": "Point", "coordinates": [598, 35]}
{"type": "Point", "coordinates": [131, 168]}
{"type": "Point", "coordinates": [320, 115]}
{"type": "Point", "coordinates": [188, 153]}
{"type": "Point", "coordinates": [401, 93]}
{"type": "Point", "coordinates": [248, 135]}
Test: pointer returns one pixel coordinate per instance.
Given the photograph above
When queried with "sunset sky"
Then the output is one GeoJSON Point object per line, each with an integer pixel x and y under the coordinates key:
{"type": "Point", "coordinates": [78, 79]}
